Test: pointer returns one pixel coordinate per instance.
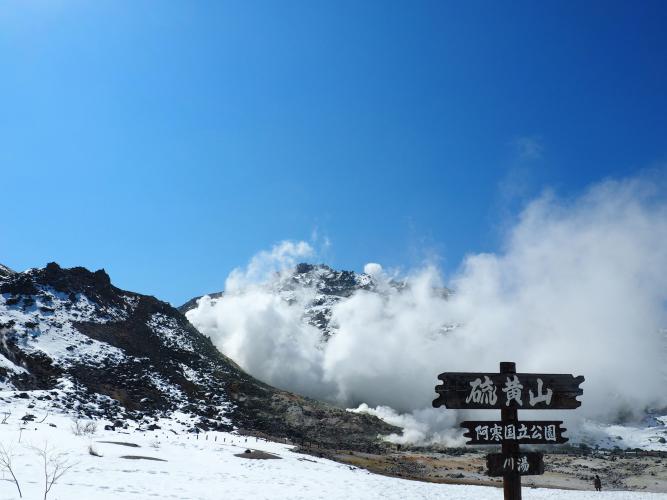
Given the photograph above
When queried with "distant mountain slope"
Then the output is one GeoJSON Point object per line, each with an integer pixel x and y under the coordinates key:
{"type": "Point", "coordinates": [117, 354]}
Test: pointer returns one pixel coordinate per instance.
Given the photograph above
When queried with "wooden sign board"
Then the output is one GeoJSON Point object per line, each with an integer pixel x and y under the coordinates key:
{"type": "Point", "coordinates": [526, 432]}
{"type": "Point", "coordinates": [509, 391]}
{"type": "Point", "coordinates": [496, 391]}
{"type": "Point", "coordinates": [525, 464]}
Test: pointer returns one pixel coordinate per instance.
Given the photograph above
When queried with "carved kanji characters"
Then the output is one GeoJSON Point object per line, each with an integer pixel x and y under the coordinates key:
{"type": "Point", "coordinates": [482, 392]}
{"type": "Point", "coordinates": [550, 432]}
{"type": "Point", "coordinates": [482, 431]}
{"type": "Point", "coordinates": [513, 391]}
{"type": "Point", "coordinates": [536, 432]}
{"type": "Point", "coordinates": [540, 397]}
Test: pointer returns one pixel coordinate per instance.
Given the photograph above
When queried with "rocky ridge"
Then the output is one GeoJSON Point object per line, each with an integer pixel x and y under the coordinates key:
{"type": "Point", "coordinates": [327, 287]}
{"type": "Point", "coordinates": [108, 353]}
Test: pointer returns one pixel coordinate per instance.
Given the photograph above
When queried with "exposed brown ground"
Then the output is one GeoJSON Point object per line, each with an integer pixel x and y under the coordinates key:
{"type": "Point", "coordinates": [566, 471]}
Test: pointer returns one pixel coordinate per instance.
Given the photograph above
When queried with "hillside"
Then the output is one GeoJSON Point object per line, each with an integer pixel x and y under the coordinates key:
{"type": "Point", "coordinates": [108, 353]}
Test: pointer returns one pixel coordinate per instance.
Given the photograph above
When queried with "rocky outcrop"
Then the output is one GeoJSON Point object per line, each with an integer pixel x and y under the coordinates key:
{"type": "Point", "coordinates": [118, 354]}
{"type": "Point", "coordinates": [328, 287]}
{"type": "Point", "coordinates": [325, 288]}
{"type": "Point", "coordinates": [5, 272]}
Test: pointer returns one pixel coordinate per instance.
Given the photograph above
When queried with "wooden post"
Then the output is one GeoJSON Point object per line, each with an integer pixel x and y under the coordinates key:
{"type": "Point", "coordinates": [511, 481]}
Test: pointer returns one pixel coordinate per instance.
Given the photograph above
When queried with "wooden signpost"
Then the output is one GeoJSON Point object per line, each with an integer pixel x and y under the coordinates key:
{"type": "Point", "coordinates": [508, 392]}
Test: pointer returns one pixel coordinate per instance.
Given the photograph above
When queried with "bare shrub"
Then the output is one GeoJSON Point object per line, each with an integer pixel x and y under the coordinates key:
{"type": "Point", "coordinates": [84, 427]}
{"type": "Point", "coordinates": [6, 466]}
{"type": "Point", "coordinates": [55, 464]}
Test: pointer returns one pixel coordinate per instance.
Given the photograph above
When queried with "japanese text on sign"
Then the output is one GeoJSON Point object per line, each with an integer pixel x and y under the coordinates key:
{"type": "Point", "coordinates": [486, 392]}
{"type": "Point", "coordinates": [512, 432]}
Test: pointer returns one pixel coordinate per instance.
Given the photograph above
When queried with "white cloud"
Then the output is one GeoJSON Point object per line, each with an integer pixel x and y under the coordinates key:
{"type": "Point", "coordinates": [373, 269]}
{"type": "Point", "coordinates": [283, 256]}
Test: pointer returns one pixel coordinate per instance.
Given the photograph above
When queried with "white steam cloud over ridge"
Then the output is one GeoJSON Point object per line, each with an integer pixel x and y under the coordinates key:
{"type": "Point", "coordinates": [580, 287]}
{"type": "Point", "coordinates": [263, 266]}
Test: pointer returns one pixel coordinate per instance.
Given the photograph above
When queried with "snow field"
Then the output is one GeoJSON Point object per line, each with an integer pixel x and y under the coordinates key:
{"type": "Point", "coordinates": [207, 468]}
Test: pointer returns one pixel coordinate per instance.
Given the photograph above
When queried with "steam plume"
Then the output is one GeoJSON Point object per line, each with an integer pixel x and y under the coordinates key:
{"type": "Point", "coordinates": [579, 287]}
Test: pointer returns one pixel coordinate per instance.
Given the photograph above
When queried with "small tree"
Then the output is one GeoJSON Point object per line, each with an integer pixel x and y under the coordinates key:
{"type": "Point", "coordinates": [55, 464]}
{"type": "Point", "coordinates": [6, 466]}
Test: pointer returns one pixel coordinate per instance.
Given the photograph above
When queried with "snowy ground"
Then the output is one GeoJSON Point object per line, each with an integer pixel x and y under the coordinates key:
{"type": "Point", "coordinates": [207, 468]}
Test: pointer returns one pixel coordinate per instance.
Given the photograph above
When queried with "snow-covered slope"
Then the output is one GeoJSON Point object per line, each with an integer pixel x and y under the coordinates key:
{"type": "Point", "coordinates": [108, 353]}
{"type": "Point", "coordinates": [167, 463]}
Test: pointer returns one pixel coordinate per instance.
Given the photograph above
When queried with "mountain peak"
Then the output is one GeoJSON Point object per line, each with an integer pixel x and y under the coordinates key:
{"type": "Point", "coordinates": [6, 272]}
{"type": "Point", "coordinates": [327, 285]}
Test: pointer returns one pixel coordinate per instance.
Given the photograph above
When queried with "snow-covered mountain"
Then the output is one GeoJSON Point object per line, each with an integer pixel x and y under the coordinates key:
{"type": "Point", "coordinates": [106, 352]}
{"type": "Point", "coordinates": [329, 286]}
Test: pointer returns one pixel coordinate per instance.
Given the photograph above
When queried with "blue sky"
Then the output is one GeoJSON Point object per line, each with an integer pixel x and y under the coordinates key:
{"type": "Point", "coordinates": [170, 141]}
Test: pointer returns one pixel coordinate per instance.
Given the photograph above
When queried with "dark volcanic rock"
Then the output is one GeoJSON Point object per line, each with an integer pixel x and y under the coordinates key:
{"type": "Point", "coordinates": [5, 272]}
{"type": "Point", "coordinates": [124, 355]}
